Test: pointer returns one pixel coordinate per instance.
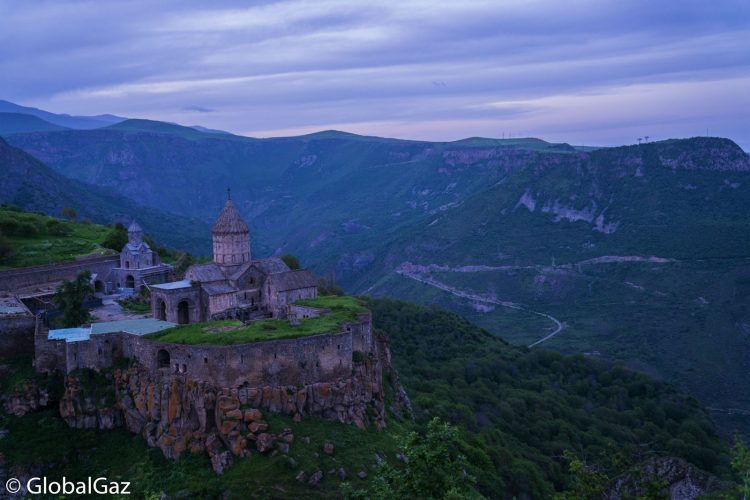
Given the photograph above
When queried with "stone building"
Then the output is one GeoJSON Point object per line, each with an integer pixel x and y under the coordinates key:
{"type": "Point", "coordinates": [139, 264]}
{"type": "Point", "coordinates": [232, 285]}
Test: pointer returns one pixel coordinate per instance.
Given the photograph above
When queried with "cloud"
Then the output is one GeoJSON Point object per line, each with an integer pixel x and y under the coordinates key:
{"type": "Point", "coordinates": [420, 69]}
{"type": "Point", "coordinates": [199, 109]}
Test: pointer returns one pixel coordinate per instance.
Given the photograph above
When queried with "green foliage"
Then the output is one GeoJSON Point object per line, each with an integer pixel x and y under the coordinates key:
{"type": "Point", "coordinates": [522, 409]}
{"type": "Point", "coordinates": [33, 239]}
{"type": "Point", "coordinates": [327, 286]}
{"type": "Point", "coordinates": [434, 467]}
{"type": "Point", "coordinates": [135, 304]}
{"type": "Point", "coordinates": [586, 482]}
{"type": "Point", "coordinates": [6, 249]}
{"type": "Point", "coordinates": [741, 466]}
{"type": "Point", "coordinates": [291, 261]}
{"type": "Point", "coordinates": [70, 298]}
{"type": "Point", "coordinates": [116, 238]}
{"type": "Point", "coordinates": [69, 213]}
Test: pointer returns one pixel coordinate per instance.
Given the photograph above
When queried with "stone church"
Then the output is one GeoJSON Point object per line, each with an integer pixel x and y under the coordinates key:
{"type": "Point", "coordinates": [139, 265]}
{"type": "Point", "coordinates": [233, 285]}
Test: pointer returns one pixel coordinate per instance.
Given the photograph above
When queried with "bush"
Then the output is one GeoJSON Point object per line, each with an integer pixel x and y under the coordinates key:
{"type": "Point", "coordinates": [291, 261]}
{"type": "Point", "coordinates": [6, 249]}
{"type": "Point", "coordinates": [57, 228]}
{"type": "Point", "coordinates": [116, 238]}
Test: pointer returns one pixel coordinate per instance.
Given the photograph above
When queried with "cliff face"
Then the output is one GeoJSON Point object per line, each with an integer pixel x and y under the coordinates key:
{"type": "Point", "coordinates": [177, 414]}
{"type": "Point", "coordinates": [673, 477]}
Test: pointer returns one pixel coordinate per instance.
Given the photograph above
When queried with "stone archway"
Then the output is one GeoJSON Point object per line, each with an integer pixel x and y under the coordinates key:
{"type": "Point", "coordinates": [183, 312]}
{"type": "Point", "coordinates": [161, 310]}
{"type": "Point", "coordinates": [162, 359]}
{"type": "Point", "coordinates": [129, 281]}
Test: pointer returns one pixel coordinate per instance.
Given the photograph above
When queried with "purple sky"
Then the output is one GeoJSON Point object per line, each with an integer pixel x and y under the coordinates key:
{"type": "Point", "coordinates": [593, 72]}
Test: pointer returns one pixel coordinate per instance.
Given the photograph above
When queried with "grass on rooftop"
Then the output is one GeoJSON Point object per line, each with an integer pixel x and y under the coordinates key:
{"type": "Point", "coordinates": [231, 332]}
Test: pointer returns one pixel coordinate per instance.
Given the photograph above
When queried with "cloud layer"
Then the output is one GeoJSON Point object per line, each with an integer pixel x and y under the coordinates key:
{"type": "Point", "coordinates": [585, 72]}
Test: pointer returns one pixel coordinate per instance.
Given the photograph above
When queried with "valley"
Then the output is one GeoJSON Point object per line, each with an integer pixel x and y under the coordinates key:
{"type": "Point", "coordinates": [635, 254]}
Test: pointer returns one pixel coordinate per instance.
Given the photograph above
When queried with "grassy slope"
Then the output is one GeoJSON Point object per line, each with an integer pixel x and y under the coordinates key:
{"type": "Point", "coordinates": [56, 240]}
{"type": "Point", "coordinates": [230, 332]}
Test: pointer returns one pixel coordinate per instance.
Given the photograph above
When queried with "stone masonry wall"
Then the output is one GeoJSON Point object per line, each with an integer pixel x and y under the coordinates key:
{"type": "Point", "coordinates": [16, 334]}
{"type": "Point", "coordinates": [13, 279]}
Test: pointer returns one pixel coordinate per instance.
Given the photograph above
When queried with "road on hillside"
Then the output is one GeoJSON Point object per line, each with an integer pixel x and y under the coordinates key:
{"type": "Point", "coordinates": [478, 298]}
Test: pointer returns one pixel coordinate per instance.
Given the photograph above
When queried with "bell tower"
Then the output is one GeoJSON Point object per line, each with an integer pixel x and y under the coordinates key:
{"type": "Point", "coordinates": [231, 236]}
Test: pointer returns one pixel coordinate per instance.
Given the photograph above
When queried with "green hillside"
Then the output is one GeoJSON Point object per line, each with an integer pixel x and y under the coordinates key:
{"type": "Point", "coordinates": [30, 239]}
{"type": "Point", "coordinates": [31, 185]}
{"type": "Point", "coordinates": [518, 412]}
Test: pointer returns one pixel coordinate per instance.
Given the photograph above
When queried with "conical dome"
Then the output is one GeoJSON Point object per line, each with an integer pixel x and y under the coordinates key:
{"type": "Point", "coordinates": [230, 221]}
{"type": "Point", "coordinates": [231, 237]}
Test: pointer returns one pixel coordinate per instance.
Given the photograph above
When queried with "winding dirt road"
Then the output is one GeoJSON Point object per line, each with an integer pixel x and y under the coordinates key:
{"type": "Point", "coordinates": [479, 298]}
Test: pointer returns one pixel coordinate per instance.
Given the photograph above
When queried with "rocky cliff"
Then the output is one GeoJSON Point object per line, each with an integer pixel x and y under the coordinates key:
{"type": "Point", "coordinates": [672, 477]}
{"type": "Point", "coordinates": [178, 414]}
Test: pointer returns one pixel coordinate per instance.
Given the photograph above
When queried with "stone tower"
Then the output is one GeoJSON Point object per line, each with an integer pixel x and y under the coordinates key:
{"type": "Point", "coordinates": [231, 237]}
{"type": "Point", "coordinates": [135, 233]}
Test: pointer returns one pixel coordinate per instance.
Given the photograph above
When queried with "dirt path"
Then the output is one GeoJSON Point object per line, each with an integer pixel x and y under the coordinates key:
{"type": "Point", "coordinates": [479, 298]}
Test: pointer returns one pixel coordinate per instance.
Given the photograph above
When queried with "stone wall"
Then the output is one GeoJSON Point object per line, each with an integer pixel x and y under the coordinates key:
{"type": "Point", "coordinates": [172, 299]}
{"type": "Point", "coordinates": [284, 362]}
{"type": "Point", "coordinates": [14, 279]}
{"type": "Point", "coordinates": [16, 334]}
{"type": "Point", "coordinates": [49, 355]}
{"type": "Point", "coordinates": [300, 361]}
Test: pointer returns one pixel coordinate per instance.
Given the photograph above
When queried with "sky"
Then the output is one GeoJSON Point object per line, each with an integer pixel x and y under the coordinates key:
{"type": "Point", "coordinates": [596, 72]}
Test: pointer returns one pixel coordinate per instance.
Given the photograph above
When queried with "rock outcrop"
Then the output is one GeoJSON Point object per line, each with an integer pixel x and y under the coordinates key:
{"type": "Point", "coordinates": [26, 397]}
{"type": "Point", "coordinates": [178, 414]}
{"type": "Point", "coordinates": [675, 477]}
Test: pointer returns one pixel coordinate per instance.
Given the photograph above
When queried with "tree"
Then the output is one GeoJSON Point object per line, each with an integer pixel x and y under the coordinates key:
{"type": "Point", "coordinates": [741, 465]}
{"type": "Point", "coordinates": [291, 261]}
{"type": "Point", "coordinates": [326, 286]}
{"type": "Point", "coordinates": [116, 238]}
{"type": "Point", "coordinates": [6, 248]}
{"type": "Point", "coordinates": [70, 298]}
{"type": "Point", "coordinates": [434, 467]}
{"type": "Point", "coordinates": [69, 213]}
{"type": "Point", "coordinates": [585, 481]}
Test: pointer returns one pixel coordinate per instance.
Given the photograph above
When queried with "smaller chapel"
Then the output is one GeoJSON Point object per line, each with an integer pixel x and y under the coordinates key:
{"type": "Point", "coordinates": [139, 264]}
{"type": "Point", "coordinates": [233, 285]}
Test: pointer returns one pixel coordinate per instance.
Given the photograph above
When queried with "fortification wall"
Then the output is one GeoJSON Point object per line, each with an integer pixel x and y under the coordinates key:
{"type": "Point", "coordinates": [299, 361]}
{"type": "Point", "coordinates": [14, 279]}
{"type": "Point", "coordinates": [16, 334]}
{"type": "Point", "coordinates": [49, 355]}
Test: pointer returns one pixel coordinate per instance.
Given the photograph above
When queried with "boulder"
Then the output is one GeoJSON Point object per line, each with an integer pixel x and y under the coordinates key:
{"type": "Point", "coordinates": [221, 462]}
{"type": "Point", "coordinates": [253, 415]}
{"type": "Point", "coordinates": [315, 478]}
{"type": "Point", "coordinates": [264, 442]}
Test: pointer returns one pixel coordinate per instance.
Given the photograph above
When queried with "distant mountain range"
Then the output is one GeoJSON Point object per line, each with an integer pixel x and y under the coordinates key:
{"type": "Point", "coordinates": [62, 120]}
{"type": "Point", "coordinates": [15, 118]}
{"type": "Point", "coordinates": [641, 252]}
